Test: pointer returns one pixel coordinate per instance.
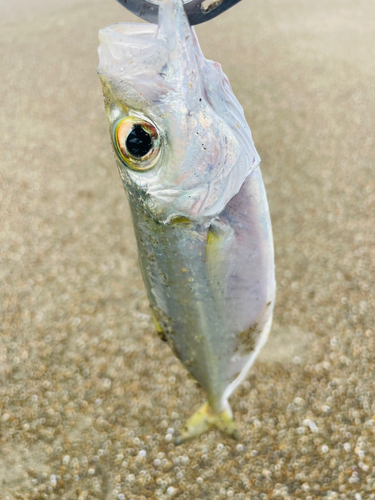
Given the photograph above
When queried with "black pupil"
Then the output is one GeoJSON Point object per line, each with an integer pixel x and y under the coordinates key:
{"type": "Point", "coordinates": [138, 142]}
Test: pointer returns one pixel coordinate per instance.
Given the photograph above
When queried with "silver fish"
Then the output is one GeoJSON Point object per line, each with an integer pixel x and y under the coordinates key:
{"type": "Point", "coordinates": [191, 173]}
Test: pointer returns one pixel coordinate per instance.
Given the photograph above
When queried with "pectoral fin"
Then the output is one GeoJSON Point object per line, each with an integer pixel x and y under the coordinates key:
{"type": "Point", "coordinates": [220, 240]}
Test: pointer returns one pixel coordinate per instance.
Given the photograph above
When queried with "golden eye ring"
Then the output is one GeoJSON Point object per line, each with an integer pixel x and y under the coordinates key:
{"type": "Point", "coordinates": [137, 142]}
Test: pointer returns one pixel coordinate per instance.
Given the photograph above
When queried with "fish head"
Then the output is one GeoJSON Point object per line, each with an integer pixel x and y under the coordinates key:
{"type": "Point", "coordinates": [182, 143]}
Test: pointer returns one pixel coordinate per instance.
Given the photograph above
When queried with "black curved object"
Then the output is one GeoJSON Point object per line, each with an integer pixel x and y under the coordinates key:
{"type": "Point", "coordinates": [149, 10]}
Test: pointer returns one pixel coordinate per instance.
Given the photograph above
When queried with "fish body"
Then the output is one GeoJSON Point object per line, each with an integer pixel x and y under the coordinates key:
{"type": "Point", "coordinates": [201, 219]}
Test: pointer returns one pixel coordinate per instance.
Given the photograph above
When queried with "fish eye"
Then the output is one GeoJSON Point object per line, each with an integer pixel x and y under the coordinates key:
{"type": "Point", "coordinates": [137, 142]}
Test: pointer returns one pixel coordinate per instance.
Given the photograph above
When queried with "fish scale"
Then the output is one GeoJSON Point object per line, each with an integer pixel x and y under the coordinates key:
{"type": "Point", "coordinates": [175, 277]}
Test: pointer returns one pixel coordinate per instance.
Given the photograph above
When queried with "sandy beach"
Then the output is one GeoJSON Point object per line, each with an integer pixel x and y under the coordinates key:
{"type": "Point", "coordinates": [90, 398]}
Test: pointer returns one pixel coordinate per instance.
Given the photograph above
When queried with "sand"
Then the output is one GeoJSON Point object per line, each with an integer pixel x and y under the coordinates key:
{"type": "Point", "coordinates": [90, 398]}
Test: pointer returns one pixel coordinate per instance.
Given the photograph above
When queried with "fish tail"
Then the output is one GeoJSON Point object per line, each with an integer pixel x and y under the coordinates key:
{"type": "Point", "coordinates": [203, 419]}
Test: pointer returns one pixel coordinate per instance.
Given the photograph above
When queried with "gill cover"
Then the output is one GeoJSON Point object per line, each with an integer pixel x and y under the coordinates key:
{"type": "Point", "coordinates": [206, 148]}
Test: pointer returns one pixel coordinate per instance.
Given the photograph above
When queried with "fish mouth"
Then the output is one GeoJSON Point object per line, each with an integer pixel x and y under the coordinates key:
{"type": "Point", "coordinates": [123, 45]}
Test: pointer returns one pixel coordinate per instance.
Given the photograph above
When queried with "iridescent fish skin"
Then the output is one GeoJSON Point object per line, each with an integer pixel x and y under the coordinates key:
{"type": "Point", "coordinates": [198, 203]}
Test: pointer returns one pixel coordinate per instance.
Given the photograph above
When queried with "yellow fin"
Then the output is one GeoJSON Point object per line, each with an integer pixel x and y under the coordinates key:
{"type": "Point", "coordinates": [179, 219]}
{"type": "Point", "coordinates": [203, 419]}
{"type": "Point", "coordinates": [156, 323]}
{"type": "Point", "coordinates": [158, 327]}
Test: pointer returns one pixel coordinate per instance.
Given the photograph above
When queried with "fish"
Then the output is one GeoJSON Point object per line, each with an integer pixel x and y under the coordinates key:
{"type": "Point", "coordinates": [191, 174]}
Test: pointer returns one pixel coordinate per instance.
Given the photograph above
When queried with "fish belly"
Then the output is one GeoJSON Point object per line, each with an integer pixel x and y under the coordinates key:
{"type": "Point", "coordinates": [211, 286]}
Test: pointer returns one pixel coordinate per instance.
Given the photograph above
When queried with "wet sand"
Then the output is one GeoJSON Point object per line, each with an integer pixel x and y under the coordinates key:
{"type": "Point", "coordinates": [89, 396]}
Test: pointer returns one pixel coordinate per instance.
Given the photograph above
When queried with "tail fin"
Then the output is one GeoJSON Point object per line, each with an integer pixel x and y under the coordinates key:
{"type": "Point", "coordinates": [203, 419]}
